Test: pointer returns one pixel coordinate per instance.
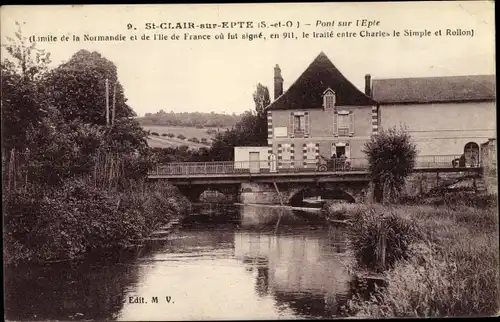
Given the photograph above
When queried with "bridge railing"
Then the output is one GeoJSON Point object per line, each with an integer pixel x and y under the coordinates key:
{"type": "Point", "coordinates": [437, 161]}
{"type": "Point", "coordinates": [285, 166]}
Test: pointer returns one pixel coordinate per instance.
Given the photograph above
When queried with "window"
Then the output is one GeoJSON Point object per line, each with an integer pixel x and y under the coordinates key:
{"type": "Point", "coordinates": [343, 124]}
{"type": "Point", "coordinates": [329, 99]}
{"type": "Point", "coordinates": [298, 123]}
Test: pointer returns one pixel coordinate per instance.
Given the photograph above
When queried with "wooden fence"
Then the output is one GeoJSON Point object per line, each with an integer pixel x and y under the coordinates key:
{"type": "Point", "coordinates": [18, 168]}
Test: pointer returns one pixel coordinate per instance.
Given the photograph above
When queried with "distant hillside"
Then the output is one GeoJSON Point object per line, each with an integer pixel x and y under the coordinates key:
{"type": "Point", "coordinates": [163, 136]}
{"type": "Point", "coordinates": [192, 119]}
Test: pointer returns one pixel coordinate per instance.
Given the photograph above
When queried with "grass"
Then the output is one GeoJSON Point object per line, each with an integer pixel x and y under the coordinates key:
{"type": "Point", "coordinates": [452, 267]}
{"type": "Point", "coordinates": [189, 132]}
{"type": "Point", "coordinates": [166, 142]}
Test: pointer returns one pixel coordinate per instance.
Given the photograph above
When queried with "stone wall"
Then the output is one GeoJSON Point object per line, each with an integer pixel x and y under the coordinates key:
{"type": "Point", "coordinates": [421, 183]}
{"type": "Point", "coordinates": [489, 162]}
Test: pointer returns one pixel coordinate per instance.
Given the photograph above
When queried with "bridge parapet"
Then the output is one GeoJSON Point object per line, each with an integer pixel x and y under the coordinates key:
{"type": "Point", "coordinates": [186, 169]}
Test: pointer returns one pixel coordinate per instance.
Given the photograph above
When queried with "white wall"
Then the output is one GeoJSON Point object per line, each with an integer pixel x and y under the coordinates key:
{"type": "Point", "coordinates": [242, 156]}
{"type": "Point", "coordinates": [443, 129]}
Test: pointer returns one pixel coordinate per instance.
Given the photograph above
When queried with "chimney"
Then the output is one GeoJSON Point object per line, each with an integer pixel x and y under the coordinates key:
{"type": "Point", "coordinates": [368, 85]}
{"type": "Point", "coordinates": [278, 82]}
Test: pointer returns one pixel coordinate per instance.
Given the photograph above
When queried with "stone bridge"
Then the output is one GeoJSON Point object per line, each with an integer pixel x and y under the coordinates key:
{"type": "Point", "coordinates": [247, 183]}
{"type": "Point", "coordinates": [351, 189]}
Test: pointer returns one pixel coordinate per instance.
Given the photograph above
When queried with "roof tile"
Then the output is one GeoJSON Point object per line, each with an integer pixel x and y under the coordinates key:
{"type": "Point", "coordinates": [307, 91]}
{"type": "Point", "coordinates": [434, 89]}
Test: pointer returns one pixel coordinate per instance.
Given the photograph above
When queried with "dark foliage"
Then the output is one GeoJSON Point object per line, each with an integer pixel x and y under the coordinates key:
{"type": "Point", "coordinates": [195, 119]}
{"type": "Point", "coordinates": [369, 227]}
{"type": "Point", "coordinates": [391, 155]}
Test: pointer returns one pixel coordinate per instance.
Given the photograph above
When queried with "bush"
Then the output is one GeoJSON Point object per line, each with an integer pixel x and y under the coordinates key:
{"type": "Point", "coordinates": [195, 140]}
{"type": "Point", "coordinates": [170, 135]}
{"type": "Point", "coordinates": [70, 220]}
{"type": "Point", "coordinates": [391, 156]}
{"type": "Point", "coordinates": [464, 282]}
{"type": "Point", "coordinates": [452, 269]}
{"type": "Point", "coordinates": [180, 136]}
{"type": "Point", "coordinates": [369, 227]}
{"type": "Point", "coordinates": [155, 133]}
{"type": "Point", "coordinates": [164, 134]}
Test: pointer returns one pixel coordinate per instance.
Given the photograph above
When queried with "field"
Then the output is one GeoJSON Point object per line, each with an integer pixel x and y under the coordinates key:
{"type": "Point", "coordinates": [188, 132]}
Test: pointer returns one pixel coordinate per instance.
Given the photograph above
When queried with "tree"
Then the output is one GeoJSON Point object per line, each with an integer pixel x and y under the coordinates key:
{"type": "Point", "coordinates": [262, 100]}
{"type": "Point", "coordinates": [391, 155]}
{"type": "Point", "coordinates": [251, 130]}
{"type": "Point", "coordinates": [23, 98]}
{"type": "Point", "coordinates": [78, 88]}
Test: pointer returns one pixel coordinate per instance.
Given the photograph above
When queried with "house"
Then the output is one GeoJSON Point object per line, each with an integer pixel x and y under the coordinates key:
{"type": "Point", "coordinates": [320, 114]}
{"type": "Point", "coordinates": [444, 115]}
{"type": "Point", "coordinates": [253, 158]}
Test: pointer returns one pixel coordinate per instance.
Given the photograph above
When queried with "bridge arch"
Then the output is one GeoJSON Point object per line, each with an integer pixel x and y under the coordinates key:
{"type": "Point", "coordinates": [209, 193]}
{"type": "Point", "coordinates": [297, 199]}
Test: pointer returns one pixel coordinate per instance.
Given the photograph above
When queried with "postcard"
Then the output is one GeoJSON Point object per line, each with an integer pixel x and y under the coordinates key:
{"type": "Point", "coordinates": [249, 161]}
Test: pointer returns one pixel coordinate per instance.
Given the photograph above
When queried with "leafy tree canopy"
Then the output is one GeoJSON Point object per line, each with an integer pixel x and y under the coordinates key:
{"type": "Point", "coordinates": [391, 155]}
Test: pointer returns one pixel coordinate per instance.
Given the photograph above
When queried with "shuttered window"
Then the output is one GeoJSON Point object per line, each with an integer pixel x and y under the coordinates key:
{"type": "Point", "coordinates": [299, 123]}
{"type": "Point", "coordinates": [335, 127]}
{"type": "Point", "coordinates": [351, 123]}
{"type": "Point", "coordinates": [306, 123]}
{"type": "Point", "coordinates": [343, 123]}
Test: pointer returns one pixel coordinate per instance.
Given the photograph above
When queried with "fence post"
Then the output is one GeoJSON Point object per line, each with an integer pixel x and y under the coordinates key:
{"type": "Point", "coordinates": [382, 244]}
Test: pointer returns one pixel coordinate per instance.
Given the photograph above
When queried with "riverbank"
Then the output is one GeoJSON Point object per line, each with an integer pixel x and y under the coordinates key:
{"type": "Point", "coordinates": [70, 221]}
{"type": "Point", "coordinates": [440, 260]}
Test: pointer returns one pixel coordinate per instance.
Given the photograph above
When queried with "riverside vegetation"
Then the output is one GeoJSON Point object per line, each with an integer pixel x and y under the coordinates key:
{"type": "Point", "coordinates": [73, 183]}
{"type": "Point", "coordinates": [439, 254]}
{"type": "Point", "coordinates": [441, 260]}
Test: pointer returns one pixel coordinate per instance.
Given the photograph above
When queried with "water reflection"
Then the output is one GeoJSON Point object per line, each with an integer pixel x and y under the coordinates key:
{"type": "Point", "coordinates": [207, 270]}
{"type": "Point", "coordinates": [67, 291]}
{"type": "Point", "coordinates": [302, 271]}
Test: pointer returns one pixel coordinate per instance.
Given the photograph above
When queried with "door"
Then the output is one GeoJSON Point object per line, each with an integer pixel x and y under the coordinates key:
{"type": "Point", "coordinates": [254, 162]}
{"type": "Point", "coordinates": [471, 153]}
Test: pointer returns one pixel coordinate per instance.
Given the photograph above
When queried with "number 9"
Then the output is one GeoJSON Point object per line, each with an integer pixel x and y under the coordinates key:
{"type": "Point", "coordinates": [129, 26]}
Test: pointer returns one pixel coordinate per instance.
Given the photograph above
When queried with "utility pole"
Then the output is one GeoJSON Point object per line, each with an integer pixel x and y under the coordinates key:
{"type": "Point", "coordinates": [114, 104]}
{"type": "Point", "coordinates": [107, 102]}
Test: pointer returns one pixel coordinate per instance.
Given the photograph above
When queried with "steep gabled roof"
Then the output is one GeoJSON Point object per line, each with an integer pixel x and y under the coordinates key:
{"type": "Point", "coordinates": [307, 91]}
{"type": "Point", "coordinates": [423, 90]}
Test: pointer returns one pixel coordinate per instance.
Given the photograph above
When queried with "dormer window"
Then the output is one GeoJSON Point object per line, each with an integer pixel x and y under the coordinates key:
{"type": "Point", "coordinates": [328, 99]}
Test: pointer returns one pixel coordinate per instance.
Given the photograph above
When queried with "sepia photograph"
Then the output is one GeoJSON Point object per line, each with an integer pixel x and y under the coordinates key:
{"type": "Point", "coordinates": [273, 161]}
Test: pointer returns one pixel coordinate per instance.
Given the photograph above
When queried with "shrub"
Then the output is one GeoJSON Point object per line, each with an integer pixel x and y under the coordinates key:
{"type": "Point", "coordinates": [155, 133]}
{"type": "Point", "coordinates": [391, 156]}
{"type": "Point", "coordinates": [369, 227]}
{"type": "Point", "coordinates": [170, 135]}
{"type": "Point", "coordinates": [464, 282]}
{"type": "Point", "coordinates": [180, 136]}
{"type": "Point", "coordinates": [67, 221]}
{"type": "Point", "coordinates": [452, 269]}
{"type": "Point", "coordinates": [164, 134]}
{"type": "Point", "coordinates": [195, 140]}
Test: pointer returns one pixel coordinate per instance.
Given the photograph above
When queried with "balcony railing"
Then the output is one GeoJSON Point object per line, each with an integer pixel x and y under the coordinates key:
{"type": "Point", "coordinates": [286, 166]}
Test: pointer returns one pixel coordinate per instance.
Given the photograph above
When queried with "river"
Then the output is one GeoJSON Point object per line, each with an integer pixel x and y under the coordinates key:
{"type": "Point", "coordinates": [224, 264]}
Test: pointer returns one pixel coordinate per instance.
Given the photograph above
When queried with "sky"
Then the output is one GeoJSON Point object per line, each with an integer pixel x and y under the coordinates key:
{"type": "Point", "coordinates": [221, 75]}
